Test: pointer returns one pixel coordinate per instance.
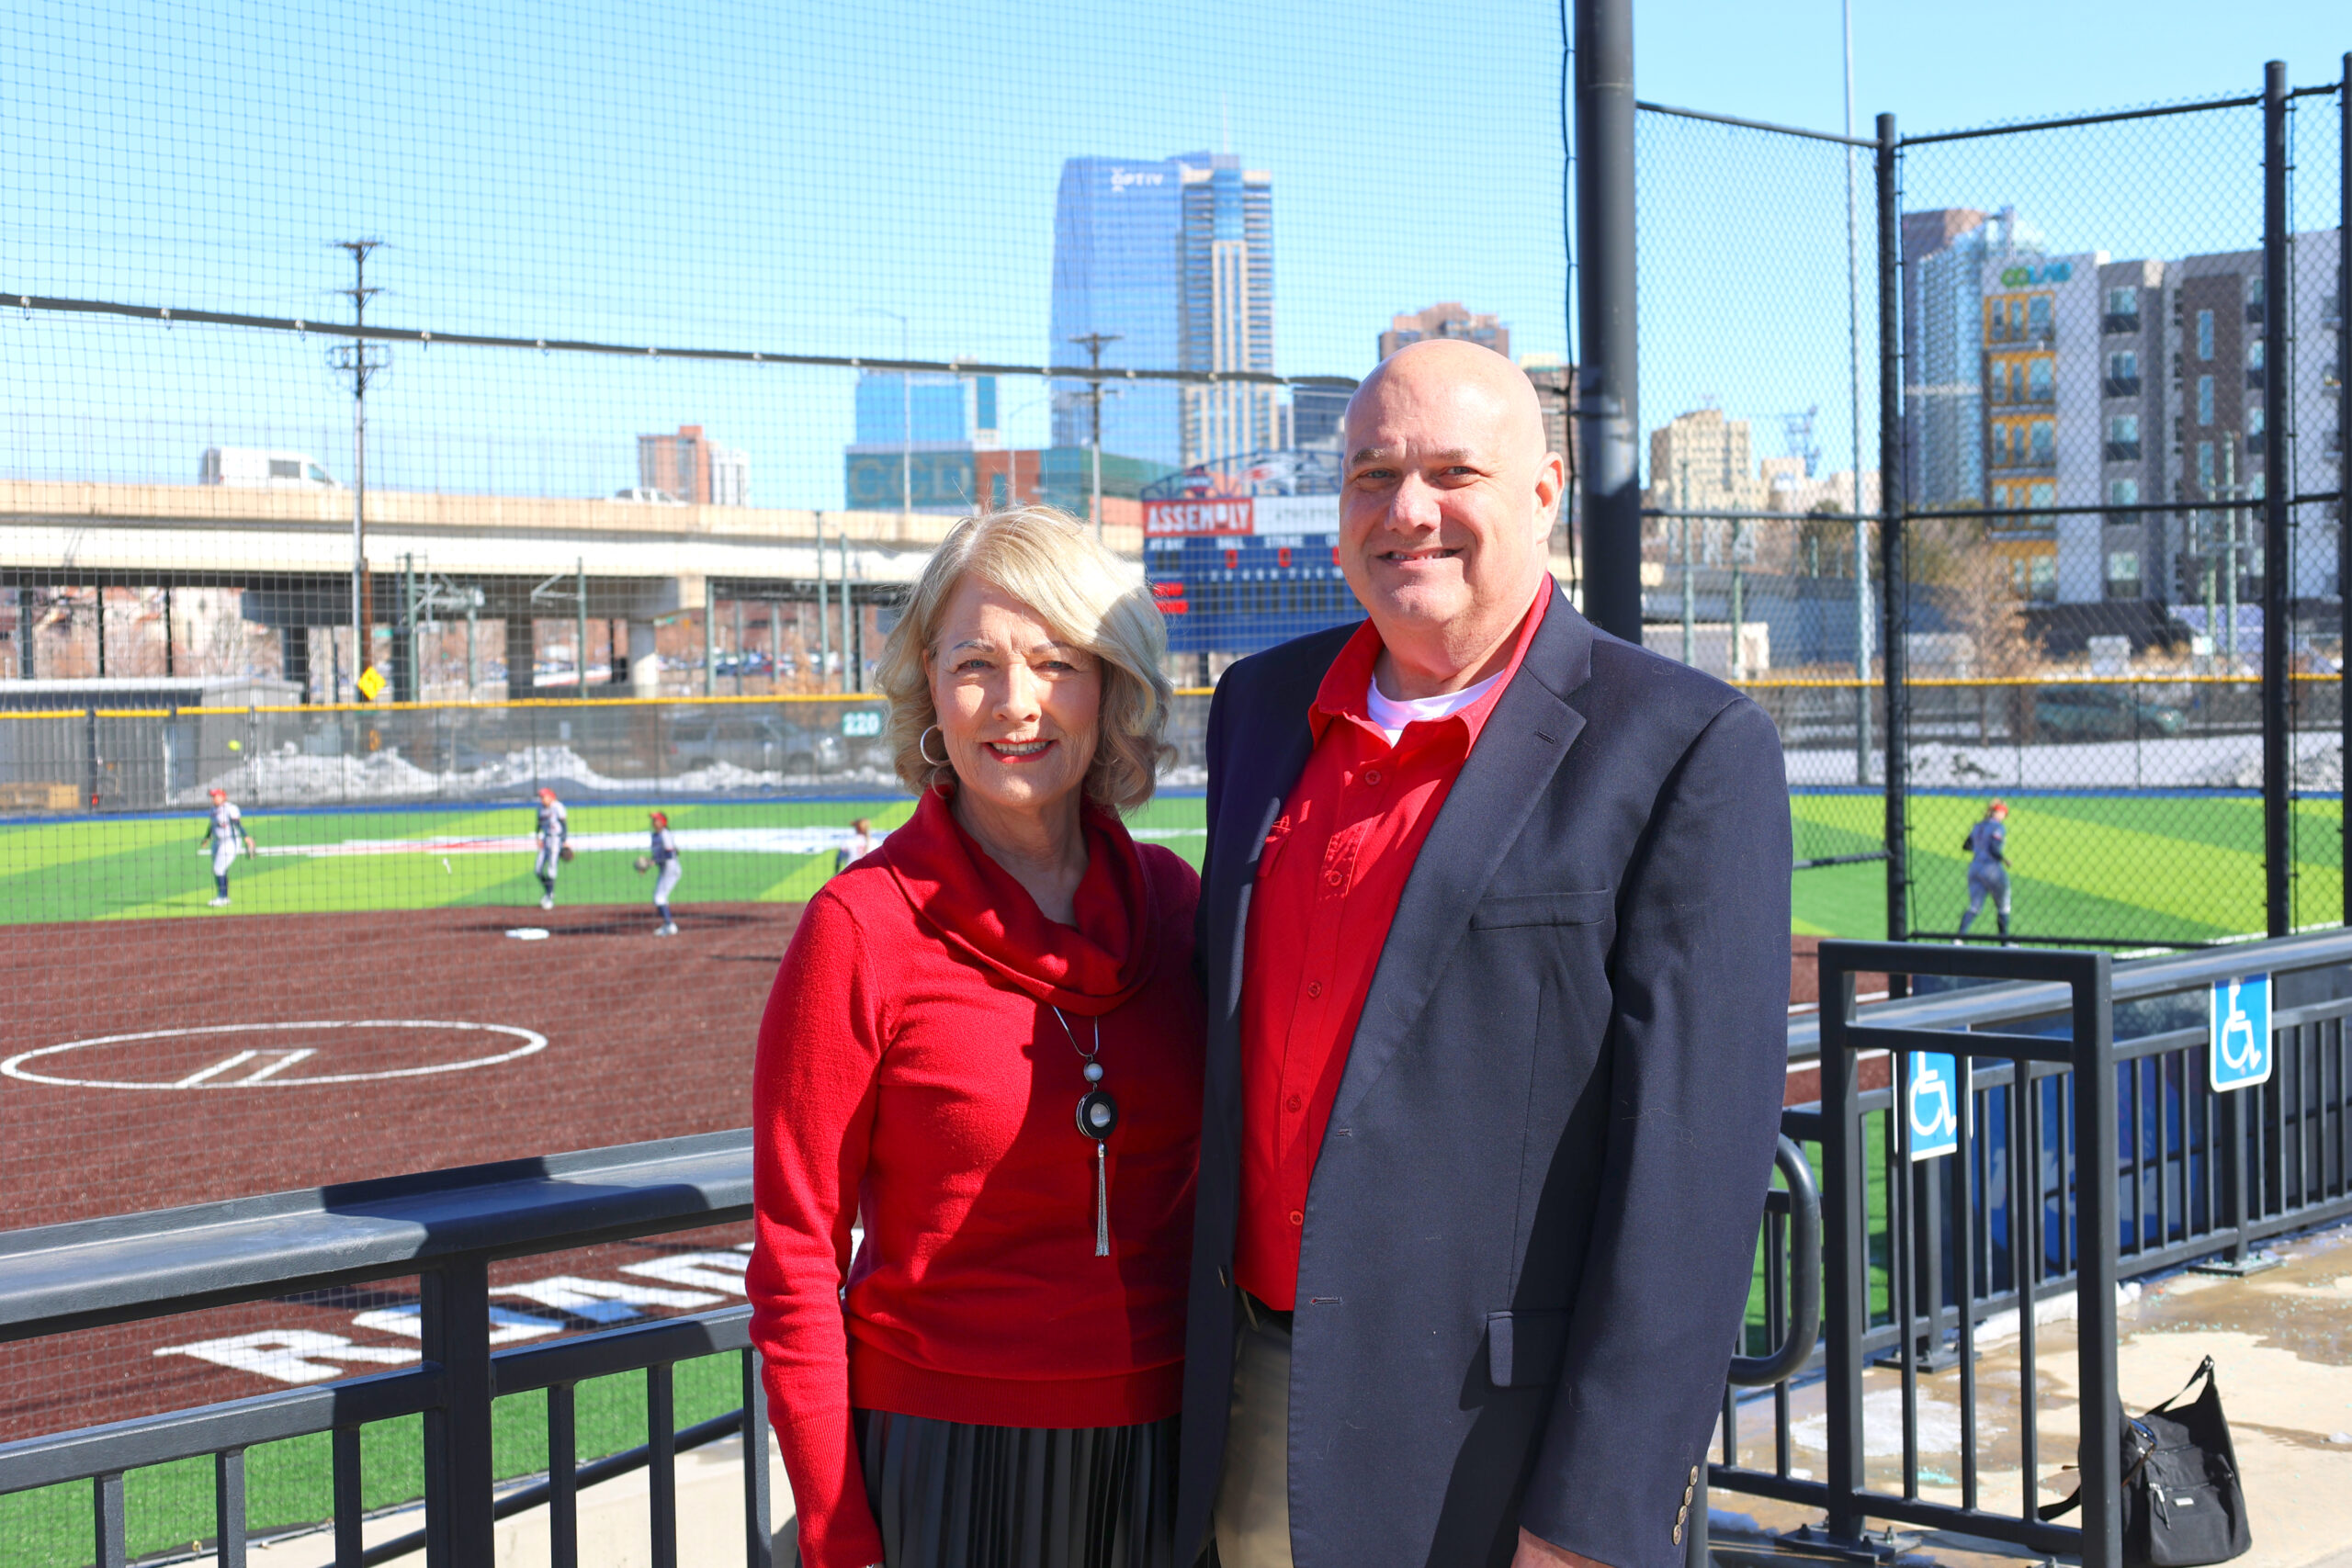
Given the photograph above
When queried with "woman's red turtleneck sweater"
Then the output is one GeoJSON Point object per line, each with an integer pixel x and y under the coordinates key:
{"type": "Point", "coordinates": [911, 1069]}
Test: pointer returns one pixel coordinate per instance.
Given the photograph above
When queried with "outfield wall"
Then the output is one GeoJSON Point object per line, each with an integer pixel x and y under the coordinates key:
{"type": "Point", "coordinates": [2071, 732]}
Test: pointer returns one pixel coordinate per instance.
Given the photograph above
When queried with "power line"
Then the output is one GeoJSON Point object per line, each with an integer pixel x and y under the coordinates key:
{"type": "Point", "coordinates": [426, 336]}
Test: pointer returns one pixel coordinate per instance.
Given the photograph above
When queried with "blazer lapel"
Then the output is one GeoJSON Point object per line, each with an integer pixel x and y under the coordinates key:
{"type": "Point", "coordinates": [1519, 750]}
{"type": "Point", "coordinates": [1270, 759]}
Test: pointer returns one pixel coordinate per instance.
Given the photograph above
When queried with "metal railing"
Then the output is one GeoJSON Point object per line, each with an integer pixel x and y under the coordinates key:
{"type": "Point", "coordinates": [446, 1228]}
{"type": "Point", "coordinates": [2114, 1056]}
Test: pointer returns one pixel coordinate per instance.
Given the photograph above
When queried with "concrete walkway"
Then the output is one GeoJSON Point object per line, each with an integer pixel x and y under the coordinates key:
{"type": "Point", "coordinates": [2281, 1343]}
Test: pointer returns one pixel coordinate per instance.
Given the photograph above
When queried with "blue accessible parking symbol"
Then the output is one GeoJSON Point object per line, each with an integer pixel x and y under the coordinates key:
{"type": "Point", "coordinates": [2241, 1032]}
{"type": "Point", "coordinates": [1931, 1100]}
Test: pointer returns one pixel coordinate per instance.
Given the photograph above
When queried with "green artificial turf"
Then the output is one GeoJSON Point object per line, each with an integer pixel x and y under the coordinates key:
{"type": "Point", "coordinates": [2151, 867]}
{"type": "Point", "coordinates": [144, 868]}
{"type": "Point", "coordinates": [290, 1483]}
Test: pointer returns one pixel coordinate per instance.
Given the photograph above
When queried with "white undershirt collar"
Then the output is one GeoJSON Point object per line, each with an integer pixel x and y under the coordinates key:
{"type": "Point", "coordinates": [1391, 717]}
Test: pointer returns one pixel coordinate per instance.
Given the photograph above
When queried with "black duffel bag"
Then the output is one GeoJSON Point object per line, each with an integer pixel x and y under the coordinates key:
{"type": "Point", "coordinates": [2183, 1506]}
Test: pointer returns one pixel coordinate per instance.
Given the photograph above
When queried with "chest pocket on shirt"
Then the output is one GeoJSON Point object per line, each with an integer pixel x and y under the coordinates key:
{"type": "Point", "coordinates": [1503, 911]}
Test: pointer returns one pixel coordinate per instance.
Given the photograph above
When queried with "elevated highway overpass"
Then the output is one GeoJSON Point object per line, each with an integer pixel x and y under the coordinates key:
{"type": "Point", "coordinates": [290, 552]}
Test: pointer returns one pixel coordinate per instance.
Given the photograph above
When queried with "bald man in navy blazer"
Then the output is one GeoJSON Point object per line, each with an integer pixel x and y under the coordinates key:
{"type": "Point", "coordinates": [1494, 929]}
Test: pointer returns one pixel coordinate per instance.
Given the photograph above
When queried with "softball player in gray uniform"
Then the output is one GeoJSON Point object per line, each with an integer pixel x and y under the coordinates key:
{"type": "Point", "coordinates": [1988, 868]}
{"type": "Point", "coordinates": [226, 837]}
{"type": "Point", "coordinates": [554, 829]}
{"type": "Point", "coordinates": [664, 854]}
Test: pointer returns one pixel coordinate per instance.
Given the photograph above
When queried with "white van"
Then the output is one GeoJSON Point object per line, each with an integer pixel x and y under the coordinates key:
{"type": "Point", "coordinates": [249, 468]}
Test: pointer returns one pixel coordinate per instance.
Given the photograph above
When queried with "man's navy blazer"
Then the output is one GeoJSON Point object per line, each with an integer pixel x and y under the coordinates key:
{"type": "Point", "coordinates": [1530, 1227]}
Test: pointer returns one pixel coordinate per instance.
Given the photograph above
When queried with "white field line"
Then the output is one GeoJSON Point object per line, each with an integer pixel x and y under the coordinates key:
{"type": "Point", "coordinates": [268, 1070]}
{"type": "Point", "coordinates": [705, 841]}
{"type": "Point", "coordinates": [532, 1043]}
{"type": "Point", "coordinates": [216, 1069]}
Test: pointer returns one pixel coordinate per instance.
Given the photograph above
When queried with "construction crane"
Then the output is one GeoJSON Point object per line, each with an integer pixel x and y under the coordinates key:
{"type": "Point", "coordinates": [1796, 430]}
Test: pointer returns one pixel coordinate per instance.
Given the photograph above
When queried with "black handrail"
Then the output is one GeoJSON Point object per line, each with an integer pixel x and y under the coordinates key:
{"type": "Point", "coordinates": [1803, 1201]}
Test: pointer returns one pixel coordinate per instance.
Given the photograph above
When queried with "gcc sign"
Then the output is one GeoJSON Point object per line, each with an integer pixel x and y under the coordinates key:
{"type": "Point", "coordinates": [2241, 1032]}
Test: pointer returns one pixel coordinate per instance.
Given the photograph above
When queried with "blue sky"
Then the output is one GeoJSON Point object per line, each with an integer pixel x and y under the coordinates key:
{"type": "Point", "coordinates": [1743, 283]}
{"type": "Point", "coordinates": [775, 178]}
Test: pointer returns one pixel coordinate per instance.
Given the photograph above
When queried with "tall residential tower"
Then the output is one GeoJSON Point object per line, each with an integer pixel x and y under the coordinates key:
{"type": "Point", "coordinates": [1226, 320]}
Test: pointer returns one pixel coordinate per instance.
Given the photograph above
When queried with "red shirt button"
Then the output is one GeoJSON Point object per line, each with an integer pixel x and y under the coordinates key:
{"type": "Point", "coordinates": [1293, 1102]}
{"type": "Point", "coordinates": [1314, 987]}
{"type": "Point", "coordinates": [1296, 1218]}
{"type": "Point", "coordinates": [1335, 878]}
{"type": "Point", "coordinates": [1372, 777]}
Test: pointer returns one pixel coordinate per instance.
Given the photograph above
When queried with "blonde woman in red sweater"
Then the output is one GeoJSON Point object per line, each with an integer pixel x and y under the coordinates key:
{"type": "Point", "coordinates": [985, 1045]}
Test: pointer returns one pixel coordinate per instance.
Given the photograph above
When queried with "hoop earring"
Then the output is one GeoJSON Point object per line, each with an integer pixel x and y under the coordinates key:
{"type": "Point", "coordinates": [922, 747]}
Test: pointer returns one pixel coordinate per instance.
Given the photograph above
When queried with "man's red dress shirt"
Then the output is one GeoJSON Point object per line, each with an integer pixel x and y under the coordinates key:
{"type": "Point", "coordinates": [1333, 869]}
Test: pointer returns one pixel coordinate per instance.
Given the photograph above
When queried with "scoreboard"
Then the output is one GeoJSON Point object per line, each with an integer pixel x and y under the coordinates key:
{"type": "Point", "coordinates": [1244, 555]}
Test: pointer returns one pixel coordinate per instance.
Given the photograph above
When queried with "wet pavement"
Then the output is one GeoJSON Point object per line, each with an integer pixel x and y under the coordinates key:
{"type": "Point", "coordinates": [2281, 1343]}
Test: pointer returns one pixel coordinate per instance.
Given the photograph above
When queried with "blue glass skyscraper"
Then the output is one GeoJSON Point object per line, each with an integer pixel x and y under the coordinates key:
{"type": "Point", "coordinates": [1117, 269]}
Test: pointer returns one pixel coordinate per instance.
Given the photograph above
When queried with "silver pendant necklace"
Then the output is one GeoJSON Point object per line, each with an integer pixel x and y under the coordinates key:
{"type": "Point", "coordinates": [1098, 1115]}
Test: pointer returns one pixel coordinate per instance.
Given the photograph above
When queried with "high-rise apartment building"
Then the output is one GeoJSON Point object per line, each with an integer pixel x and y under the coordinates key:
{"type": "Point", "coordinates": [693, 469]}
{"type": "Point", "coordinates": [2128, 371]}
{"type": "Point", "coordinates": [2041, 416]}
{"type": "Point", "coordinates": [1315, 413]}
{"type": "Point", "coordinates": [1448, 319]}
{"type": "Point", "coordinates": [1555, 388]}
{"type": "Point", "coordinates": [2105, 386]}
{"type": "Point", "coordinates": [1226, 310]}
{"type": "Point", "coordinates": [1702, 461]}
{"type": "Point", "coordinates": [1944, 254]}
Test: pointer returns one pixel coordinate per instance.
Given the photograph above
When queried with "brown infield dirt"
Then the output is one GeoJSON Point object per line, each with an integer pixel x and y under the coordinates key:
{"type": "Point", "coordinates": [646, 1038]}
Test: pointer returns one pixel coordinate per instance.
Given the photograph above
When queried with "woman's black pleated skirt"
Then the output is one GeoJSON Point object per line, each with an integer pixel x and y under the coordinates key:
{"type": "Point", "coordinates": [949, 1495]}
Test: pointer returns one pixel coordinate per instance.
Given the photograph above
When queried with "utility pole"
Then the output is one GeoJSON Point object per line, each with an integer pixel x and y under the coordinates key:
{"type": "Point", "coordinates": [853, 674]}
{"type": "Point", "coordinates": [824, 623]}
{"type": "Point", "coordinates": [1093, 342]}
{"type": "Point", "coordinates": [361, 360]}
{"type": "Point", "coordinates": [1735, 662]}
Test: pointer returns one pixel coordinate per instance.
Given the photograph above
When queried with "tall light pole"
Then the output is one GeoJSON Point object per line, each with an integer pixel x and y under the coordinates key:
{"type": "Point", "coordinates": [1608, 399]}
{"type": "Point", "coordinates": [361, 360]}
{"type": "Point", "coordinates": [1854, 428]}
{"type": "Point", "coordinates": [1093, 342]}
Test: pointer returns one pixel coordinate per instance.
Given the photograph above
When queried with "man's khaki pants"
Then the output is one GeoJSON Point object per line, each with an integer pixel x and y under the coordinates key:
{"type": "Point", "coordinates": [1253, 1494]}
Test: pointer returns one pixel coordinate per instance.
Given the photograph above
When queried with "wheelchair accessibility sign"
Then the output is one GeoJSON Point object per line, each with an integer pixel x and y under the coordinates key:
{"type": "Point", "coordinates": [1932, 1097]}
{"type": "Point", "coordinates": [2241, 1032]}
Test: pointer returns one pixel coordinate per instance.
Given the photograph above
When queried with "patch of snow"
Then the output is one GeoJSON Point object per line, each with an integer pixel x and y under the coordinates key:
{"type": "Point", "coordinates": [2195, 762]}
{"type": "Point", "coordinates": [288, 778]}
{"type": "Point", "coordinates": [1937, 1427]}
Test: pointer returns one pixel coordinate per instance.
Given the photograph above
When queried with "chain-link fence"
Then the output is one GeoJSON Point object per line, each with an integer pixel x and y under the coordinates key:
{"type": "Point", "coordinates": [2103, 358]}
{"type": "Point", "coordinates": [401, 412]}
